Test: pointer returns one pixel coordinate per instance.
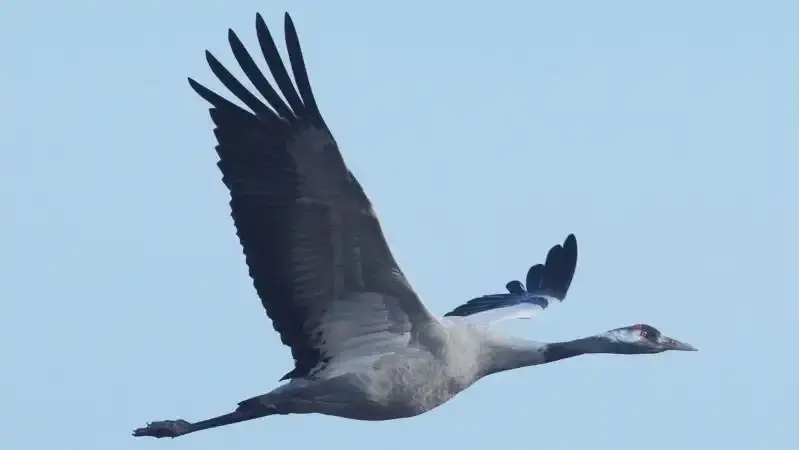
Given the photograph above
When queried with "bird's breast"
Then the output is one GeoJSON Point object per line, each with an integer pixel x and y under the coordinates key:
{"type": "Point", "coordinates": [415, 383]}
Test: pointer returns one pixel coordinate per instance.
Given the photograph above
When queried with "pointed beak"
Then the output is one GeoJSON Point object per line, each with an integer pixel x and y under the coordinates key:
{"type": "Point", "coordinates": [674, 344]}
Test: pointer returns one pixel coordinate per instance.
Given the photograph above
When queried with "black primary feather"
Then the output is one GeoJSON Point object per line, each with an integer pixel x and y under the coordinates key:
{"type": "Point", "coordinates": [551, 279]}
{"type": "Point", "coordinates": [263, 179]}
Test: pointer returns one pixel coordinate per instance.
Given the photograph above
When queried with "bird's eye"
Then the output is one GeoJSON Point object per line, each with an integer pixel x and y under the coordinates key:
{"type": "Point", "coordinates": [643, 333]}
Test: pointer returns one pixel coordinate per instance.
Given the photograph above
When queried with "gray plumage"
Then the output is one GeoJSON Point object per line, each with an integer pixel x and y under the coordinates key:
{"type": "Point", "coordinates": [364, 345]}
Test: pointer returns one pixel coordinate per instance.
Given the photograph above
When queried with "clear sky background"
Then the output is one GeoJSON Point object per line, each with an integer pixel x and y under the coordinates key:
{"type": "Point", "coordinates": [664, 134]}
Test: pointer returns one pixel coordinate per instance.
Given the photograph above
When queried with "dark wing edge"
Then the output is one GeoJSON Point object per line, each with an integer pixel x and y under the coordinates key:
{"type": "Point", "coordinates": [263, 179]}
{"type": "Point", "coordinates": [551, 279]}
{"type": "Point", "coordinates": [286, 238]}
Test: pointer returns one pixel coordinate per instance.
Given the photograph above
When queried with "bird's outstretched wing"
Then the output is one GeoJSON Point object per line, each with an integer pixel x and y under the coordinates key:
{"type": "Point", "coordinates": [546, 283]}
{"type": "Point", "coordinates": [313, 244]}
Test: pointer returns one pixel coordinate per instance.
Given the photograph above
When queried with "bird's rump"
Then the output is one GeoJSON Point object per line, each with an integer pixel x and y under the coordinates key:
{"type": "Point", "coordinates": [314, 247]}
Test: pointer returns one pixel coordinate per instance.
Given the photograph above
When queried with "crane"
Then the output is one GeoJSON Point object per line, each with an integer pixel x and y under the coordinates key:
{"type": "Point", "coordinates": [364, 345]}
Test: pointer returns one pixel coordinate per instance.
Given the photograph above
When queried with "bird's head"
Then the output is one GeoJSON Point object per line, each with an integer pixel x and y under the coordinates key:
{"type": "Point", "coordinates": [642, 338]}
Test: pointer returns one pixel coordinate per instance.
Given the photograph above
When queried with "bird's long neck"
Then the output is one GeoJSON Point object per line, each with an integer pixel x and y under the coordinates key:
{"type": "Point", "coordinates": [556, 351]}
{"type": "Point", "coordinates": [513, 353]}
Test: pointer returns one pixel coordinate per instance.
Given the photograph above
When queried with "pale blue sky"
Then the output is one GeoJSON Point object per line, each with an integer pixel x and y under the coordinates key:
{"type": "Point", "coordinates": [664, 134]}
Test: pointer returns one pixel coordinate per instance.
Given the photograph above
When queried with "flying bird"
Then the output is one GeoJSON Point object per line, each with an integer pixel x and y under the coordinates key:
{"type": "Point", "coordinates": [364, 345]}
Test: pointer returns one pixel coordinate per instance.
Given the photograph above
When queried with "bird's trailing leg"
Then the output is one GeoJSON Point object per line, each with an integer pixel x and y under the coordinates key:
{"type": "Point", "coordinates": [175, 428]}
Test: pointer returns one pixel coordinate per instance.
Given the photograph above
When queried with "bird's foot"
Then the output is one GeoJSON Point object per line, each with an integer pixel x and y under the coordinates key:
{"type": "Point", "coordinates": [164, 428]}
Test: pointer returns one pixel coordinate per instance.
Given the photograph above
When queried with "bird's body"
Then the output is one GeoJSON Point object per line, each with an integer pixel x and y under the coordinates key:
{"type": "Point", "coordinates": [402, 382]}
{"type": "Point", "coordinates": [364, 345]}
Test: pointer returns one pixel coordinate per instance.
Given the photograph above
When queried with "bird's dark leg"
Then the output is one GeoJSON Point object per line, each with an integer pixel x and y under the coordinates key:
{"type": "Point", "coordinates": [175, 428]}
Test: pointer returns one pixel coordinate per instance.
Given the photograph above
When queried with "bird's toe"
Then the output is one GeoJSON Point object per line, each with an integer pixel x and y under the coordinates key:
{"type": "Point", "coordinates": [163, 428]}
